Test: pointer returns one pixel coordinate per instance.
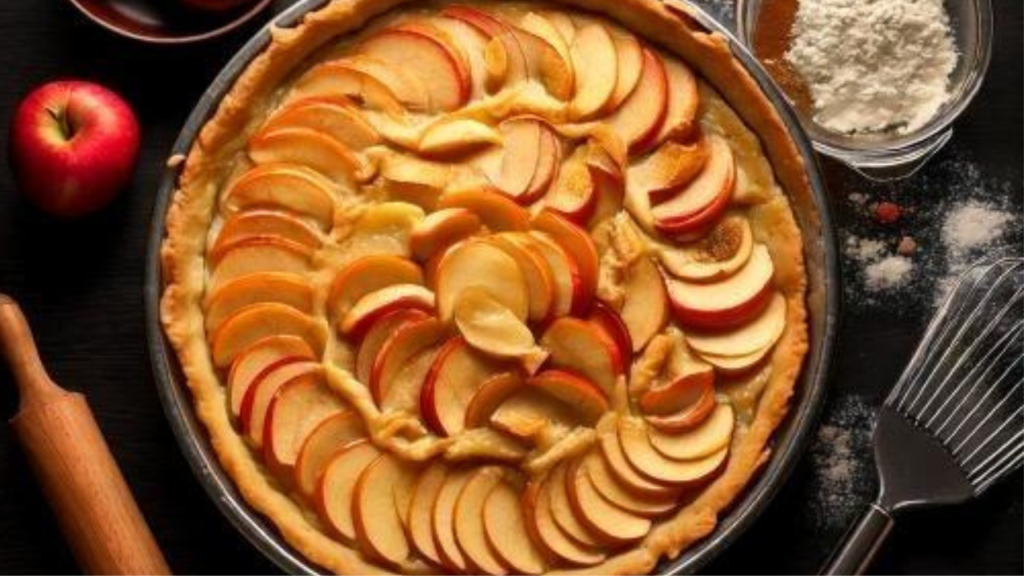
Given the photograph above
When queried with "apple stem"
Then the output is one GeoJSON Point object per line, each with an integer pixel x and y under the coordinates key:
{"type": "Point", "coordinates": [59, 115]}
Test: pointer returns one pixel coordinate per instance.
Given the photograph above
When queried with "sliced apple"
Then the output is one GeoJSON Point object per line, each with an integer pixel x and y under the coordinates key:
{"type": "Point", "coordinates": [257, 254]}
{"type": "Point", "coordinates": [378, 335]}
{"type": "Point", "coordinates": [737, 365]}
{"type": "Point", "coordinates": [511, 66]}
{"type": "Point", "coordinates": [573, 194]}
{"type": "Point", "coordinates": [366, 275]}
{"type": "Point", "coordinates": [725, 249]}
{"type": "Point", "coordinates": [309, 148]}
{"type": "Point", "coordinates": [321, 445]}
{"type": "Point", "coordinates": [282, 186]}
{"type": "Point", "coordinates": [730, 302]}
{"type": "Point", "coordinates": [670, 167]}
{"type": "Point", "coordinates": [485, 266]}
{"type": "Point", "coordinates": [414, 180]}
{"type": "Point", "coordinates": [564, 512]}
{"type": "Point", "coordinates": [645, 308]}
{"type": "Point", "coordinates": [258, 397]}
{"type": "Point", "coordinates": [425, 55]}
{"type": "Point", "coordinates": [406, 86]}
{"type": "Point", "coordinates": [441, 229]}
{"type": "Point", "coordinates": [628, 477]}
{"type": "Point", "coordinates": [443, 520]}
{"type": "Point", "coordinates": [521, 158]}
{"type": "Point", "coordinates": [407, 343]}
{"type": "Point", "coordinates": [609, 182]}
{"type": "Point", "coordinates": [608, 486]}
{"type": "Point", "coordinates": [709, 437]}
{"type": "Point", "coordinates": [470, 532]}
{"type": "Point", "coordinates": [542, 26]}
{"type": "Point", "coordinates": [593, 50]}
{"type": "Point", "coordinates": [568, 285]}
{"type": "Point", "coordinates": [537, 275]}
{"type": "Point", "coordinates": [686, 380]}
{"type": "Point", "coordinates": [253, 363]}
{"type": "Point", "coordinates": [345, 78]}
{"type": "Point", "coordinates": [296, 409]}
{"type": "Point", "coordinates": [683, 101]}
{"type": "Point", "coordinates": [704, 199]}
{"type": "Point", "coordinates": [455, 377]}
{"type": "Point", "coordinates": [259, 321]}
{"type": "Point", "coordinates": [336, 117]}
{"type": "Point", "coordinates": [690, 402]}
{"type": "Point", "coordinates": [760, 333]}
{"type": "Point", "coordinates": [493, 392]}
{"type": "Point", "coordinates": [267, 223]}
{"type": "Point", "coordinates": [335, 492]}
{"type": "Point", "coordinates": [536, 504]}
{"type": "Point", "coordinates": [506, 531]}
{"type": "Point", "coordinates": [610, 321]}
{"type": "Point", "coordinates": [384, 228]}
{"type": "Point", "coordinates": [378, 526]}
{"type": "Point", "coordinates": [493, 329]}
{"type": "Point", "coordinates": [289, 289]}
{"type": "Point", "coordinates": [371, 307]}
{"type": "Point", "coordinates": [547, 64]}
{"type": "Point", "coordinates": [473, 45]}
{"type": "Point", "coordinates": [583, 347]}
{"type": "Point", "coordinates": [612, 524]}
{"type": "Point", "coordinates": [582, 396]}
{"type": "Point", "coordinates": [650, 463]}
{"type": "Point", "coordinates": [641, 115]}
{"type": "Point", "coordinates": [529, 413]}
{"type": "Point", "coordinates": [449, 138]}
{"type": "Point", "coordinates": [421, 507]}
{"type": "Point", "coordinates": [630, 67]}
{"type": "Point", "coordinates": [580, 246]}
{"type": "Point", "coordinates": [497, 212]}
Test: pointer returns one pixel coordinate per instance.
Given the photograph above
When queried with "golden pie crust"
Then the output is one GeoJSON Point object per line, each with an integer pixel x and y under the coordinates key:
{"type": "Point", "coordinates": [244, 108]}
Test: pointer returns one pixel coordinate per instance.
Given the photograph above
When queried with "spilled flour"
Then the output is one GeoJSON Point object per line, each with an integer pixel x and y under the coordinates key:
{"type": "Point", "coordinates": [843, 471]}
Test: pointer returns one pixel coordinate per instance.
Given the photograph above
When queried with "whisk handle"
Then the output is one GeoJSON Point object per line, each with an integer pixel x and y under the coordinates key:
{"type": "Point", "coordinates": [861, 544]}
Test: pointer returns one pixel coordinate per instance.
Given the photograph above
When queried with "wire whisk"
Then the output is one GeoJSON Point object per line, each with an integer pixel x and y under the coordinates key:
{"type": "Point", "coordinates": [954, 423]}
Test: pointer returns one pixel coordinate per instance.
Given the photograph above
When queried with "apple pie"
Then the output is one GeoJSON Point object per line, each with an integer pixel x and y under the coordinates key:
{"type": "Point", "coordinates": [490, 288]}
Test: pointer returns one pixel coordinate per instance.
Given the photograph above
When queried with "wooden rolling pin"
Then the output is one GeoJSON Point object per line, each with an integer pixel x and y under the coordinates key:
{"type": "Point", "coordinates": [71, 460]}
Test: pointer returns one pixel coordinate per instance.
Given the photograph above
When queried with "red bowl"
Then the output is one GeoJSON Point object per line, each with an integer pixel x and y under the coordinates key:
{"type": "Point", "coordinates": [166, 21]}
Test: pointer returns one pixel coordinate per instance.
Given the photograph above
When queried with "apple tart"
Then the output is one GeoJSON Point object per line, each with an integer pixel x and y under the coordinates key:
{"type": "Point", "coordinates": [489, 288]}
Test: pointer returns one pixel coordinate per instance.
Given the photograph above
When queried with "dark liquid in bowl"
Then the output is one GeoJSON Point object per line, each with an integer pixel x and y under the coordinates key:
{"type": "Point", "coordinates": [772, 35]}
{"type": "Point", "coordinates": [162, 18]}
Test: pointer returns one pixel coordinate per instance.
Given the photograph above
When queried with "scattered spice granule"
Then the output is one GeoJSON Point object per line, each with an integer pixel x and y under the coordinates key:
{"type": "Point", "coordinates": [973, 225]}
{"type": "Point", "coordinates": [841, 460]}
{"type": "Point", "coordinates": [907, 246]}
{"type": "Point", "coordinates": [864, 249]}
{"type": "Point", "coordinates": [887, 212]}
{"type": "Point", "coordinates": [889, 272]}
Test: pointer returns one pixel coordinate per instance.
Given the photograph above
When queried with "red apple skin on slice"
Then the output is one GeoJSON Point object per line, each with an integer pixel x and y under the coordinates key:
{"type": "Point", "coordinates": [421, 509]}
{"type": "Point", "coordinates": [565, 274]}
{"type": "Point", "coordinates": [578, 244]}
{"type": "Point", "coordinates": [369, 274]}
{"type": "Point", "coordinates": [285, 187]}
{"type": "Point", "coordinates": [337, 117]}
{"type": "Point", "coordinates": [441, 229]}
{"type": "Point", "coordinates": [323, 443]}
{"type": "Point", "coordinates": [593, 50]}
{"type": "Point", "coordinates": [443, 520]}
{"type": "Point", "coordinates": [343, 77]}
{"type": "Point", "coordinates": [267, 223]}
{"type": "Point", "coordinates": [254, 360]}
{"type": "Point", "coordinates": [613, 525]}
{"type": "Point", "coordinates": [573, 194]}
{"type": "Point", "coordinates": [584, 348]}
{"type": "Point", "coordinates": [725, 249]}
{"type": "Point", "coordinates": [377, 522]}
{"type": "Point", "coordinates": [645, 311]}
{"type": "Point", "coordinates": [308, 148]}
{"type": "Point", "coordinates": [336, 488]}
{"type": "Point", "coordinates": [457, 374]}
{"type": "Point", "coordinates": [702, 403]}
{"type": "Point", "coordinates": [376, 304]}
{"type": "Point", "coordinates": [257, 254]}
{"type": "Point", "coordinates": [705, 198]}
{"type": "Point", "coordinates": [639, 118]}
{"type": "Point", "coordinates": [760, 333]}
{"type": "Point", "coordinates": [683, 101]}
{"type": "Point", "coordinates": [378, 335]}
{"type": "Point", "coordinates": [672, 166]}
{"type": "Point", "coordinates": [296, 409]}
{"type": "Point", "coordinates": [611, 322]}
{"type": "Point", "coordinates": [492, 393]}
{"type": "Point", "coordinates": [540, 282]}
{"type": "Point", "coordinates": [257, 400]}
{"type": "Point", "coordinates": [728, 303]}
{"type": "Point", "coordinates": [259, 321]}
{"type": "Point", "coordinates": [581, 395]}
{"type": "Point", "coordinates": [679, 390]}
{"type": "Point", "coordinates": [405, 344]}
{"type": "Point", "coordinates": [556, 545]}
{"type": "Point", "coordinates": [470, 532]}
{"type": "Point", "coordinates": [521, 158]}
{"type": "Point", "coordinates": [712, 435]}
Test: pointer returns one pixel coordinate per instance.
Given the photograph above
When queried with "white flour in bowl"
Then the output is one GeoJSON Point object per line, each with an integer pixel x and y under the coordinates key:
{"type": "Point", "coordinates": [874, 65]}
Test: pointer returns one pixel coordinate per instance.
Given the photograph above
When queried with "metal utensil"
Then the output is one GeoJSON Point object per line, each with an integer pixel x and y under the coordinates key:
{"type": "Point", "coordinates": [954, 423]}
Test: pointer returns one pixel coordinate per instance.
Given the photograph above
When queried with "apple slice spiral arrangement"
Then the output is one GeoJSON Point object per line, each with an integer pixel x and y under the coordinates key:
{"type": "Point", "coordinates": [472, 293]}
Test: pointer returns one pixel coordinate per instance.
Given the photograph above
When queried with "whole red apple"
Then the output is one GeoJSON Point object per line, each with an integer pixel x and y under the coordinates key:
{"type": "Point", "coordinates": [73, 146]}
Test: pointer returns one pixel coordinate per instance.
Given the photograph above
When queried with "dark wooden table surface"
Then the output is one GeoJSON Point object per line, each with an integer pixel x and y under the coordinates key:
{"type": "Point", "coordinates": [81, 286]}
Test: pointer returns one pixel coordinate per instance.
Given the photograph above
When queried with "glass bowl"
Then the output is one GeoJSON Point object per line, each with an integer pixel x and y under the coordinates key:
{"type": "Point", "coordinates": [887, 156]}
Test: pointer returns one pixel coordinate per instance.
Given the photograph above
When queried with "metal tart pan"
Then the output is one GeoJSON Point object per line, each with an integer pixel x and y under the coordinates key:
{"type": "Point", "coordinates": [788, 443]}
